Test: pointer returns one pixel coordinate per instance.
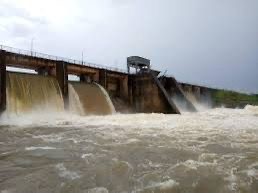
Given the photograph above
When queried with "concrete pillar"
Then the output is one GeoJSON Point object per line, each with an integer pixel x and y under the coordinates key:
{"type": "Point", "coordinates": [130, 89]}
{"type": "Point", "coordinates": [124, 87]}
{"type": "Point", "coordinates": [62, 78]}
{"type": "Point", "coordinates": [43, 71]}
{"type": "Point", "coordinates": [103, 78]}
{"type": "Point", "coordinates": [85, 78]}
{"type": "Point", "coordinates": [95, 77]}
{"type": "Point", "coordinates": [2, 81]}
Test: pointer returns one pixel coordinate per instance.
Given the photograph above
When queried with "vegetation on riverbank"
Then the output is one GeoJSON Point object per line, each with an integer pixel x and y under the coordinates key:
{"type": "Point", "coordinates": [234, 99]}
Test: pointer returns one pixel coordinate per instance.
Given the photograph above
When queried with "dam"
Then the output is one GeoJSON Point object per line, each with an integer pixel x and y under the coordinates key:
{"type": "Point", "coordinates": [141, 91]}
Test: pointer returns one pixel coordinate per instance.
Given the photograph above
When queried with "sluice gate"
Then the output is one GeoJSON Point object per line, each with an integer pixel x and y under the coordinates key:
{"type": "Point", "coordinates": [168, 98]}
{"type": "Point", "coordinates": [176, 92]}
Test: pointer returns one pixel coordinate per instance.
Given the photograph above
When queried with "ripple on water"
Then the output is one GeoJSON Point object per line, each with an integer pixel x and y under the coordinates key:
{"type": "Point", "coordinates": [65, 173]}
{"type": "Point", "coordinates": [212, 151]}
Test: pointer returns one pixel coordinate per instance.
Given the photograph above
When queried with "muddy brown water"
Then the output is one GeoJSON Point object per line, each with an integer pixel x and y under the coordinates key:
{"type": "Point", "coordinates": [215, 151]}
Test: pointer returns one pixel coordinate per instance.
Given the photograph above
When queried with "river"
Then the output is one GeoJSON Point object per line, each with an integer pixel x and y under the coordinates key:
{"type": "Point", "coordinates": [214, 151]}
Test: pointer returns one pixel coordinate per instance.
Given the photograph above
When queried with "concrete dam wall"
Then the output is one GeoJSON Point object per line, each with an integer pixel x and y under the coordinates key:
{"type": "Point", "coordinates": [100, 90]}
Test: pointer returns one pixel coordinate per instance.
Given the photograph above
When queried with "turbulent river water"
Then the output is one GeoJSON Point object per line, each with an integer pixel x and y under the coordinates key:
{"type": "Point", "coordinates": [214, 151]}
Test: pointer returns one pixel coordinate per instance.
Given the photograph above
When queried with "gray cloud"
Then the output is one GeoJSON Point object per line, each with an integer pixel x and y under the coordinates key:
{"type": "Point", "coordinates": [20, 30]}
{"type": "Point", "coordinates": [123, 2]}
{"type": "Point", "coordinates": [17, 21]}
{"type": "Point", "coordinates": [206, 42]}
{"type": "Point", "coordinates": [8, 10]}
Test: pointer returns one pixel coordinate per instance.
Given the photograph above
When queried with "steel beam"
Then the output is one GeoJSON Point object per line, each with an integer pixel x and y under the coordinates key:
{"type": "Point", "coordinates": [103, 78]}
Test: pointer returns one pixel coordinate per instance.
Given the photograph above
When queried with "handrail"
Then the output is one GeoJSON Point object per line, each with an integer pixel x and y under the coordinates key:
{"type": "Point", "coordinates": [57, 58]}
{"type": "Point", "coordinates": [194, 84]}
{"type": "Point", "coordinates": [210, 86]}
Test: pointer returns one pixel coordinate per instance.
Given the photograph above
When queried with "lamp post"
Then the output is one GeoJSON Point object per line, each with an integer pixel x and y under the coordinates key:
{"type": "Point", "coordinates": [31, 46]}
{"type": "Point", "coordinates": [82, 57]}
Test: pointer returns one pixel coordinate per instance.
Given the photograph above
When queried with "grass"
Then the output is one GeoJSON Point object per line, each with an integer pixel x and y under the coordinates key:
{"type": "Point", "coordinates": [234, 99]}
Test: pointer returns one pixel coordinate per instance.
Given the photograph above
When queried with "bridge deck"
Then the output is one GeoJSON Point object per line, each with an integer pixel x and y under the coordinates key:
{"type": "Point", "coordinates": [35, 60]}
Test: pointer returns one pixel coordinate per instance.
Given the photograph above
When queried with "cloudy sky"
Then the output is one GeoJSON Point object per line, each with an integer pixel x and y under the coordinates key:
{"type": "Point", "coordinates": [207, 42]}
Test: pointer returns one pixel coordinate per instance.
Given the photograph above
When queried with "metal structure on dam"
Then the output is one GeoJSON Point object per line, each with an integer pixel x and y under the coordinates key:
{"type": "Point", "coordinates": [142, 91]}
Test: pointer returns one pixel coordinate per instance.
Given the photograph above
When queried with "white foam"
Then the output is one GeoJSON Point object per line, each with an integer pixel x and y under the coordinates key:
{"type": "Point", "coordinates": [252, 109]}
{"type": "Point", "coordinates": [192, 164]}
{"type": "Point", "coordinates": [49, 138]}
{"type": "Point", "coordinates": [232, 178]}
{"type": "Point", "coordinates": [252, 173]}
{"type": "Point", "coordinates": [36, 148]}
{"type": "Point", "coordinates": [86, 155]}
{"type": "Point", "coordinates": [253, 170]}
{"type": "Point", "coordinates": [98, 190]}
{"type": "Point", "coordinates": [166, 185]}
{"type": "Point", "coordinates": [232, 119]}
{"type": "Point", "coordinates": [65, 173]}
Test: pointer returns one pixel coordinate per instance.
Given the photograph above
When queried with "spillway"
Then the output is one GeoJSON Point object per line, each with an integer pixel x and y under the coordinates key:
{"type": "Point", "coordinates": [89, 99]}
{"type": "Point", "coordinates": [32, 93]}
{"type": "Point", "coordinates": [29, 92]}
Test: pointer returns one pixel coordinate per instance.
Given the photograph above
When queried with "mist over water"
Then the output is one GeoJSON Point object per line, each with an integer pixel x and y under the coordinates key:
{"type": "Point", "coordinates": [210, 151]}
{"type": "Point", "coordinates": [203, 104]}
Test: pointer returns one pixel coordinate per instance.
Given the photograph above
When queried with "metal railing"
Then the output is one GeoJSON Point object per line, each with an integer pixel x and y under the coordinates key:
{"type": "Point", "coordinates": [57, 58]}
{"type": "Point", "coordinates": [194, 83]}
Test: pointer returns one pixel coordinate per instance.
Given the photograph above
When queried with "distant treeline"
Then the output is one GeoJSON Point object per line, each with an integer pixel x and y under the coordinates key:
{"type": "Point", "coordinates": [233, 99]}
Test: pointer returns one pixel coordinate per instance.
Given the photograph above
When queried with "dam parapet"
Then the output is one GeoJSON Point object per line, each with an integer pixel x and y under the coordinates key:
{"type": "Point", "coordinates": [142, 91]}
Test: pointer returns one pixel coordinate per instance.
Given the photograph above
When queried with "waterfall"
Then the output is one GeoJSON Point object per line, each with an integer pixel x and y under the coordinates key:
{"type": "Point", "coordinates": [29, 92]}
{"type": "Point", "coordinates": [89, 99]}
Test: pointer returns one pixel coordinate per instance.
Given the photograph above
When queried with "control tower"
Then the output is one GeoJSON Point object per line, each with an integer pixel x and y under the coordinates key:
{"type": "Point", "coordinates": [141, 65]}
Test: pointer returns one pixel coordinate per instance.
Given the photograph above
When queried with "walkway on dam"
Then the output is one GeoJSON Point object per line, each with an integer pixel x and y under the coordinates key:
{"type": "Point", "coordinates": [58, 58]}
